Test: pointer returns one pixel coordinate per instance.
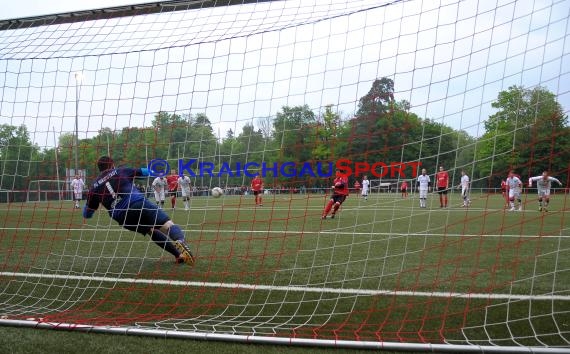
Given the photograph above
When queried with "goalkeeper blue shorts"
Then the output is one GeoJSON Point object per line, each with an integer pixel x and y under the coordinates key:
{"type": "Point", "coordinates": [141, 216]}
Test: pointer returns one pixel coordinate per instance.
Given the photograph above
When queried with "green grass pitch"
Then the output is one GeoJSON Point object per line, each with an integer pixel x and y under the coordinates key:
{"type": "Point", "coordinates": [383, 269]}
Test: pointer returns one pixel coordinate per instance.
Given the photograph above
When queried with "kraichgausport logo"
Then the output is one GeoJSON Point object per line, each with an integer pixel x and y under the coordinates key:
{"type": "Point", "coordinates": [289, 169]}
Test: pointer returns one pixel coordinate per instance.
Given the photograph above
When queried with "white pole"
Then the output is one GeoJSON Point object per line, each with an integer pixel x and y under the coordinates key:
{"type": "Point", "coordinates": [77, 81]}
{"type": "Point", "coordinates": [56, 165]}
{"type": "Point", "coordinates": [285, 341]}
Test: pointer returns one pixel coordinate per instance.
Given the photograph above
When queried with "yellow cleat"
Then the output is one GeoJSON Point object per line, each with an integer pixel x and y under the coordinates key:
{"type": "Point", "coordinates": [186, 255]}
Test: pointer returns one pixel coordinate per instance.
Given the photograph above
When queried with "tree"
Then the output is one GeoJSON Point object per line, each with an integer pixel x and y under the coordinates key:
{"type": "Point", "coordinates": [18, 157]}
{"type": "Point", "coordinates": [200, 141]}
{"type": "Point", "coordinates": [265, 124]}
{"type": "Point", "coordinates": [172, 132]}
{"type": "Point", "coordinates": [529, 133]}
{"type": "Point", "coordinates": [326, 132]}
{"type": "Point", "coordinates": [289, 131]}
{"type": "Point", "coordinates": [379, 100]}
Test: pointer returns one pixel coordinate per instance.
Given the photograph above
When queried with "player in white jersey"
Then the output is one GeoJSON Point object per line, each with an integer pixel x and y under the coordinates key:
{"type": "Point", "coordinates": [464, 185]}
{"type": "Point", "coordinates": [365, 187]}
{"type": "Point", "coordinates": [186, 189]}
{"type": "Point", "coordinates": [514, 186]}
{"type": "Point", "coordinates": [159, 186]}
{"type": "Point", "coordinates": [77, 185]}
{"type": "Point", "coordinates": [424, 183]}
{"type": "Point", "coordinates": [543, 185]}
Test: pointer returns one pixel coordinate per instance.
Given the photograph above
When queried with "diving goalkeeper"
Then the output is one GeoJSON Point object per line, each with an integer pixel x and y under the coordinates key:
{"type": "Point", "coordinates": [114, 189]}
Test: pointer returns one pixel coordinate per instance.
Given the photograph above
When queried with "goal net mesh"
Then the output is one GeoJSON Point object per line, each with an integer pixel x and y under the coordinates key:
{"type": "Point", "coordinates": [295, 90]}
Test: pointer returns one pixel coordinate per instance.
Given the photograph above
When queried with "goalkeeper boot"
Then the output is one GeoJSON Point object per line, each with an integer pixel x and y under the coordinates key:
{"type": "Point", "coordinates": [186, 255]}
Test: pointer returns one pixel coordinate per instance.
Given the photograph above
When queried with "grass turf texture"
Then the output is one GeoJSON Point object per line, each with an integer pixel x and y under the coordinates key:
{"type": "Point", "coordinates": [385, 243]}
{"type": "Point", "coordinates": [26, 340]}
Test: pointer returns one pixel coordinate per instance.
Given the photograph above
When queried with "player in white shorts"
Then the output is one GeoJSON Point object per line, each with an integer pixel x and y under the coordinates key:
{"type": "Point", "coordinates": [185, 188]}
{"type": "Point", "coordinates": [365, 187]}
{"type": "Point", "coordinates": [423, 186]}
{"type": "Point", "coordinates": [464, 185]}
{"type": "Point", "coordinates": [159, 186]}
{"type": "Point", "coordinates": [77, 185]}
{"type": "Point", "coordinates": [514, 186]}
{"type": "Point", "coordinates": [543, 185]}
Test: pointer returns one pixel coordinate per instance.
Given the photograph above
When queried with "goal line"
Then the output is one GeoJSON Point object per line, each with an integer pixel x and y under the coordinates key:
{"type": "Point", "coordinates": [302, 289]}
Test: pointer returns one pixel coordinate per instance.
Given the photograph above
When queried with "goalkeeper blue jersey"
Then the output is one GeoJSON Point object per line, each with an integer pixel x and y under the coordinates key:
{"type": "Point", "coordinates": [114, 189]}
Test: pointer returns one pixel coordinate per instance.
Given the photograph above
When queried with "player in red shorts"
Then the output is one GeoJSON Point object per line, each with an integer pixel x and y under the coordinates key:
{"type": "Point", "coordinates": [404, 189]}
{"type": "Point", "coordinates": [257, 188]}
{"type": "Point", "coordinates": [172, 182]}
{"type": "Point", "coordinates": [442, 184]}
{"type": "Point", "coordinates": [357, 187]}
{"type": "Point", "coordinates": [340, 187]}
{"type": "Point", "coordinates": [504, 192]}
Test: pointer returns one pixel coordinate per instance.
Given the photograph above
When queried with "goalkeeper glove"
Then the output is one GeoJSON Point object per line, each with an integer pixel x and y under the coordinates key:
{"type": "Point", "coordinates": [87, 212]}
{"type": "Point", "coordinates": [144, 171]}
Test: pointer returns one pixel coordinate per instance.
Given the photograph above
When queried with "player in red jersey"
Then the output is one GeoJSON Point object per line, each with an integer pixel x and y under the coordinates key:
{"type": "Point", "coordinates": [442, 184]}
{"type": "Point", "coordinates": [404, 189]}
{"type": "Point", "coordinates": [504, 192]}
{"type": "Point", "coordinates": [257, 188]}
{"type": "Point", "coordinates": [340, 187]}
{"type": "Point", "coordinates": [172, 182]}
{"type": "Point", "coordinates": [356, 187]}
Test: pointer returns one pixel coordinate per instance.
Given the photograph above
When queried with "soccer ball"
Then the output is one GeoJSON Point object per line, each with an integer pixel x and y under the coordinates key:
{"type": "Point", "coordinates": [217, 192]}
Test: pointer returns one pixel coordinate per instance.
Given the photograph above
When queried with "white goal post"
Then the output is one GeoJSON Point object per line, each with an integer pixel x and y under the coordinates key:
{"type": "Point", "coordinates": [237, 86]}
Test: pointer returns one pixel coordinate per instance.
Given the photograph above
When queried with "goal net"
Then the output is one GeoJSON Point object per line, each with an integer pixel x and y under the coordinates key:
{"type": "Point", "coordinates": [48, 190]}
{"type": "Point", "coordinates": [296, 91]}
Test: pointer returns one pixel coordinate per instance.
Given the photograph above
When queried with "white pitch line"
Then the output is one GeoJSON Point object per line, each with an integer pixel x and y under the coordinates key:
{"type": "Point", "coordinates": [352, 208]}
{"type": "Point", "coordinates": [301, 289]}
{"type": "Point", "coordinates": [326, 232]}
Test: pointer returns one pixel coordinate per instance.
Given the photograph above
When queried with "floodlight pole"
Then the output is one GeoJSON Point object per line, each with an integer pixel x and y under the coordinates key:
{"type": "Point", "coordinates": [77, 82]}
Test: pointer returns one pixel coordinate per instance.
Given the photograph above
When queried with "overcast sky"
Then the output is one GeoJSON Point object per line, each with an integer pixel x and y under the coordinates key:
{"type": "Point", "coordinates": [449, 59]}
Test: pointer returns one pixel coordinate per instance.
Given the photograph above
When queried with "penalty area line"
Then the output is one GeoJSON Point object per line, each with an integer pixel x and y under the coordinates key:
{"type": "Point", "coordinates": [296, 288]}
{"type": "Point", "coordinates": [94, 228]}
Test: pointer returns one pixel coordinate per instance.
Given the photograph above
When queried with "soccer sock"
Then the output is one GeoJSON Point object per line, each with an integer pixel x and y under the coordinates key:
{"type": "Point", "coordinates": [163, 242]}
{"type": "Point", "coordinates": [186, 204]}
{"type": "Point", "coordinates": [175, 233]}
{"type": "Point", "coordinates": [540, 202]}
{"type": "Point", "coordinates": [328, 207]}
{"type": "Point", "coordinates": [445, 200]}
{"type": "Point", "coordinates": [260, 201]}
{"type": "Point", "coordinates": [173, 201]}
{"type": "Point", "coordinates": [512, 204]}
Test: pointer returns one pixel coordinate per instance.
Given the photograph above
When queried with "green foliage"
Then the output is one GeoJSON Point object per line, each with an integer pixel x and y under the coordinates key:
{"type": "Point", "coordinates": [325, 133]}
{"type": "Point", "coordinates": [18, 155]}
{"type": "Point", "coordinates": [379, 100]}
{"type": "Point", "coordinates": [289, 131]}
{"type": "Point", "coordinates": [529, 132]}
